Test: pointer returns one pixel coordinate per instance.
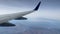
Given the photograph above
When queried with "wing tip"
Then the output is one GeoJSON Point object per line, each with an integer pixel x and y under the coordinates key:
{"type": "Point", "coordinates": [37, 7]}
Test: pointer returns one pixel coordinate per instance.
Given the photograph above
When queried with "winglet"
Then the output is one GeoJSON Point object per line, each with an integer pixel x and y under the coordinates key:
{"type": "Point", "coordinates": [37, 7]}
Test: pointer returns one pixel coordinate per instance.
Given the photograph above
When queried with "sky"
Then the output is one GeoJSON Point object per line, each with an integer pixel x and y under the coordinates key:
{"type": "Point", "coordinates": [48, 16]}
{"type": "Point", "coordinates": [49, 9]}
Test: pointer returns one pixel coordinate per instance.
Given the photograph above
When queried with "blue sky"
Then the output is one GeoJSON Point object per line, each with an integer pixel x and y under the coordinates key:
{"type": "Point", "coordinates": [48, 16]}
{"type": "Point", "coordinates": [49, 9]}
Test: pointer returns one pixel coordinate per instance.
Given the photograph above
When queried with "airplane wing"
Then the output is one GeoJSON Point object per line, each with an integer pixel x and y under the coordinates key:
{"type": "Point", "coordinates": [16, 16]}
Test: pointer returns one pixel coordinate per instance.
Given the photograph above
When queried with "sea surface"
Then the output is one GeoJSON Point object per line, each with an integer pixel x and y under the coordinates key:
{"type": "Point", "coordinates": [38, 26]}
